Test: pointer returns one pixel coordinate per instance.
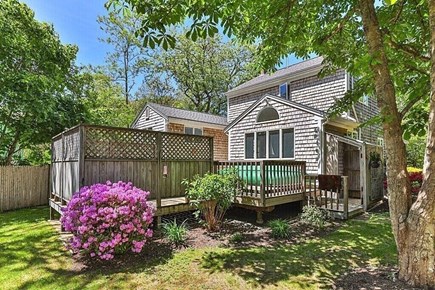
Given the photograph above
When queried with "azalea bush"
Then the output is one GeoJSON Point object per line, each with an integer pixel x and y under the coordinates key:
{"type": "Point", "coordinates": [107, 219]}
{"type": "Point", "coordinates": [212, 195]}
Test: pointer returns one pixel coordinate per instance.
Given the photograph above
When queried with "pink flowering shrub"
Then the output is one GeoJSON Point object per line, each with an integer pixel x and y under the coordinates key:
{"type": "Point", "coordinates": [106, 219]}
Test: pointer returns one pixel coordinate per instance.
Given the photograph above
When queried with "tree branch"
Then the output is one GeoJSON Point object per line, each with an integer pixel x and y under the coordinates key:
{"type": "Point", "coordinates": [409, 105]}
{"type": "Point", "coordinates": [407, 49]}
{"type": "Point", "coordinates": [340, 25]}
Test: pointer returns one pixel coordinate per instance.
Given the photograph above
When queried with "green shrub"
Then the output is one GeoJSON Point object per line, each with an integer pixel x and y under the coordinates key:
{"type": "Point", "coordinates": [212, 195]}
{"type": "Point", "coordinates": [236, 238]}
{"type": "Point", "coordinates": [280, 229]}
{"type": "Point", "coordinates": [175, 233]}
{"type": "Point", "coordinates": [314, 216]}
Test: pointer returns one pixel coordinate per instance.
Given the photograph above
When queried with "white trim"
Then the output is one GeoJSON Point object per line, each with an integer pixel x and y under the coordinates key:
{"type": "Point", "coordinates": [267, 145]}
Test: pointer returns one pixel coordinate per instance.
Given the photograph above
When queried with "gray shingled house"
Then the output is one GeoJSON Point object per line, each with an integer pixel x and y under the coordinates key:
{"type": "Point", "coordinates": [282, 116]}
{"type": "Point", "coordinates": [163, 118]}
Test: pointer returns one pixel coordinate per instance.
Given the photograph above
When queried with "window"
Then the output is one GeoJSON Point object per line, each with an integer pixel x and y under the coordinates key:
{"type": "Point", "coordinates": [267, 114]}
{"type": "Point", "coordinates": [249, 146]}
{"type": "Point", "coordinates": [270, 144]}
{"type": "Point", "coordinates": [288, 143]}
{"type": "Point", "coordinates": [380, 141]}
{"type": "Point", "coordinates": [283, 91]}
{"type": "Point", "coordinates": [261, 145]}
{"type": "Point", "coordinates": [274, 144]}
{"type": "Point", "coordinates": [354, 134]}
{"type": "Point", "coordinates": [147, 114]}
{"type": "Point", "coordinates": [192, 131]}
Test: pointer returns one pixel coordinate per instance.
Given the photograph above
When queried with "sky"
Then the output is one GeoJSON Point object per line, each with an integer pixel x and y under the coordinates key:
{"type": "Point", "coordinates": [76, 23]}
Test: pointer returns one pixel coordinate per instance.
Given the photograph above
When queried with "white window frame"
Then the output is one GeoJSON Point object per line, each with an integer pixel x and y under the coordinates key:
{"type": "Point", "coordinates": [255, 157]}
{"type": "Point", "coordinates": [193, 131]}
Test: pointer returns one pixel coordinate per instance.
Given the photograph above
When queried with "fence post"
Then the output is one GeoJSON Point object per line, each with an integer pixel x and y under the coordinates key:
{"type": "Point", "coordinates": [345, 197]}
{"type": "Point", "coordinates": [159, 179]}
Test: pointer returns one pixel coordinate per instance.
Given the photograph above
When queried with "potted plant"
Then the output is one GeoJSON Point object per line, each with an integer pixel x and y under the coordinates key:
{"type": "Point", "coordinates": [375, 159]}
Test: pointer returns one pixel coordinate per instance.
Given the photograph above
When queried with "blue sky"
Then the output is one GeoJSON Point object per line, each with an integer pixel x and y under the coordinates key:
{"type": "Point", "coordinates": [76, 23]}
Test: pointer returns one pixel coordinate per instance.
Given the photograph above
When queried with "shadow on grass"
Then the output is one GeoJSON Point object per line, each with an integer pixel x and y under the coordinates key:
{"type": "Point", "coordinates": [357, 243]}
{"type": "Point", "coordinates": [32, 255]}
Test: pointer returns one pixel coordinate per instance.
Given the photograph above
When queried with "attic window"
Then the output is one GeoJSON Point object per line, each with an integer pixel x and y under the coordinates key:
{"type": "Point", "coordinates": [147, 113]}
{"type": "Point", "coordinates": [283, 91]}
{"type": "Point", "coordinates": [267, 114]}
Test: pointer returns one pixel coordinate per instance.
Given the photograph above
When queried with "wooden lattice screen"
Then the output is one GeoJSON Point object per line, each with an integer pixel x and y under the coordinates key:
{"type": "Point", "coordinates": [154, 161]}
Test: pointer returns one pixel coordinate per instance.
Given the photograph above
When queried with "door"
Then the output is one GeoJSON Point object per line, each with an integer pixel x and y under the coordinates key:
{"type": "Point", "coordinates": [351, 168]}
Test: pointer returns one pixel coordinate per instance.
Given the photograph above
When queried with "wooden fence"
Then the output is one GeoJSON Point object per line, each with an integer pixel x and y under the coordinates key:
{"type": "Point", "coordinates": [23, 186]}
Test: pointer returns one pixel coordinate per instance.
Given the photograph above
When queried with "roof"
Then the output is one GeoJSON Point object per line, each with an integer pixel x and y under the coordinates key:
{"type": "Point", "coordinates": [170, 112]}
{"type": "Point", "coordinates": [294, 69]}
{"type": "Point", "coordinates": [277, 99]}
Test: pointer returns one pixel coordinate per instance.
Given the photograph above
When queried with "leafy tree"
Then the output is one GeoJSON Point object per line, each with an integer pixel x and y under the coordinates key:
{"type": "Point", "coordinates": [105, 103]}
{"type": "Point", "coordinates": [391, 48]}
{"type": "Point", "coordinates": [40, 92]}
{"type": "Point", "coordinates": [195, 75]}
{"type": "Point", "coordinates": [128, 59]}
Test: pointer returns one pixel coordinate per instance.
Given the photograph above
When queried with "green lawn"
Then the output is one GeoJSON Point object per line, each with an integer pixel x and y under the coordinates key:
{"type": "Point", "coordinates": [32, 257]}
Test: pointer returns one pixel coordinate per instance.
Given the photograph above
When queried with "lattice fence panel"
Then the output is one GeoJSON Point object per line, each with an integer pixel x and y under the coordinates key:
{"type": "Point", "coordinates": [111, 143]}
{"type": "Point", "coordinates": [71, 143]}
{"type": "Point", "coordinates": [56, 155]}
{"type": "Point", "coordinates": [185, 147]}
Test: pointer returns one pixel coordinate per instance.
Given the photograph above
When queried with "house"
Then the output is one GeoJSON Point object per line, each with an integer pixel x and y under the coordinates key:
{"type": "Point", "coordinates": [283, 116]}
{"type": "Point", "coordinates": [163, 118]}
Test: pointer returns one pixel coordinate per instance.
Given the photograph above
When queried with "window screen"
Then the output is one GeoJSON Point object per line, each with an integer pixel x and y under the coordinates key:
{"type": "Point", "coordinates": [261, 145]}
{"type": "Point", "coordinates": [274, 144]}
{"type": "Point", "coordinates": [288, 143]}
{"type": "Point", "coordinates": [249, 145]}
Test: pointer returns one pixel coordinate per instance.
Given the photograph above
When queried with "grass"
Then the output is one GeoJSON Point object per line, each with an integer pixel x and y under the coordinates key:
{"type": "Point", "coordinates": [32, 257]}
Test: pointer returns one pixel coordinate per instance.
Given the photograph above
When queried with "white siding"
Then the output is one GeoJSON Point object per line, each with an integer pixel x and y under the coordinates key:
{"type": "Point", "coordinates": [155, 122]}
{"type": "Point", "coordinates": [307, 145]}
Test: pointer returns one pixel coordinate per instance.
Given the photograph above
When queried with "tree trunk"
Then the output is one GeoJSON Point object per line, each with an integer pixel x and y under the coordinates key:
{"type": "Point", "coordinates": [418, 263]}
{"type": "Point", "coordinates": [413, 226]}
{"type": "Point", "coordinates": [12, 148]}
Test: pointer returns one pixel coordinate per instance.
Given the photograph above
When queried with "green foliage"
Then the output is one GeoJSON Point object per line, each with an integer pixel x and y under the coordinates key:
{"type": "Point", "coordinates": [212, 194]}
{"type": "Point", "coordinates": [175, 233]}
{"type": "Point", "coordinates": [129, 59]}
{"type": "Point", "coordinates": [280, 229]}
{"type": "Point", "coordinates": [415, 148]}
{"type": "Point", "coordinates": [195, 74]}
{"type": "Point", "coordinates": [236, 238]}
{"type": "Point", "coordinates": [40, 88]}
{"type": "Point", "coordinates": [105, 104]}
{"type": "Point", "coordinates": [314, 216]}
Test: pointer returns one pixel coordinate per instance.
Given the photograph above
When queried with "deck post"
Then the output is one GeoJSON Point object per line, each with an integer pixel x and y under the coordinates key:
{"type": "Point", "coordinates": [345, 197]}
{"type": "Point", "coordinates": [262, 184]}
{"type": "Point", "coordinates": [259, 217]}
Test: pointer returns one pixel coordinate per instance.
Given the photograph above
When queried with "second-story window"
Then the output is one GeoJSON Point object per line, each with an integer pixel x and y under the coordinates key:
{"type": "Point", "coordinates": [283, 91]}
{"type": "Point", "coordinates": [192, 131]}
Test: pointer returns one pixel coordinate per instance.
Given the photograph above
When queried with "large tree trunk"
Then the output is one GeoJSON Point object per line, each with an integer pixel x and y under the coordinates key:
{"type": "Point", "coordinates": [413, 227]}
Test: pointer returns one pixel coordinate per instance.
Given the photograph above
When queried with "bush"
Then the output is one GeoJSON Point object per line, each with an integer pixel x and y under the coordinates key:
{"type": "Point", "coordinates": [175, 233]}
{"type": "Point", "coordinates": [107, 219]}
{"type": "Point", "coordinates": [236, 238]}
{"type": "Point", "coordinates": [212, 195]}
{"type": "Point", "coordinates": [314, 216]}
{"type": "Point", "coordinates": [280, 229]}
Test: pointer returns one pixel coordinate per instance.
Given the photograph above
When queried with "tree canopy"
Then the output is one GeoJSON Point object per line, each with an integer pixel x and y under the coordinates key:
{"type": "Point", "coordinates": [196, 75]}
{"type": "Point", "coordinates": [40, 91]}
{"type": "Point", "coordinates": [390, 48]}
